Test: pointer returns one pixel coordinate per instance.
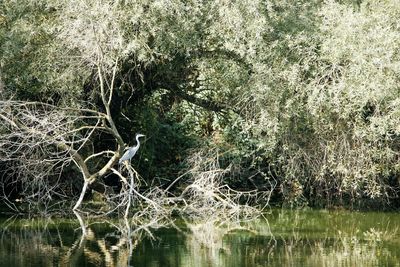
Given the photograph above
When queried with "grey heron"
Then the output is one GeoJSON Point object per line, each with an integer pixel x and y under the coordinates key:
{"type": "Point", "coordinates": [131, 151]}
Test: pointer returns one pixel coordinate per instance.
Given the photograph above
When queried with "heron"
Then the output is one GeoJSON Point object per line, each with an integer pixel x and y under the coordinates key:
{"type": "Point", "coordinates": [131, 151]}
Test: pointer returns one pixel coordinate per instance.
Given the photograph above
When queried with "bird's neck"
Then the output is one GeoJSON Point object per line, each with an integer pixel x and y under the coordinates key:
{"type": "Point", "coordinates": [137, 141]}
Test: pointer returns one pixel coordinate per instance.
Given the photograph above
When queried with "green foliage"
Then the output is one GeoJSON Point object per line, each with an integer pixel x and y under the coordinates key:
{"type": "Point", "coordinates": [30, 57]}
{"type": "Point", "coordinates": [331, 115]}
{"type": "Point", "coordinates": [307, 92]}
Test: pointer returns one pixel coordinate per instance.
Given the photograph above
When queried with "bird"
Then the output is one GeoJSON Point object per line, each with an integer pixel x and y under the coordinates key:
{"type": "Point", "coordinates": [131, 151]}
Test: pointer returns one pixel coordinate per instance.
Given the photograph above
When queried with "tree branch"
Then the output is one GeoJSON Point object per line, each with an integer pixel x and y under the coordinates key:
{"type": "Point", "coordinates": [209, 105]}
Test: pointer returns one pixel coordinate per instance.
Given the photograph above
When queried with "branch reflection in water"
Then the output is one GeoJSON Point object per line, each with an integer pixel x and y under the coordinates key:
{"type": "Point", "coordinates": [47, 242]}
{"type": "Point", "coordinates": [287, 238]}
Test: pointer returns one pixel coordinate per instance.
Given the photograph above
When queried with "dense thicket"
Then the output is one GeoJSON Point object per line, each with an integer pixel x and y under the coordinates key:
{"type": "Point", "coordinates": [298, 97]}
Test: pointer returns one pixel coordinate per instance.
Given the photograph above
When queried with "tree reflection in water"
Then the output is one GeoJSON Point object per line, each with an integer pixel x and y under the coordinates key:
{"type": "Point", "coordinates": [293, 238]}
{"type": "Point", "coordinates": [30, 242]}
{"type": "Point", "coordinates": [205, 241]}
{"type": "Point", "coordinates": [287, 238]}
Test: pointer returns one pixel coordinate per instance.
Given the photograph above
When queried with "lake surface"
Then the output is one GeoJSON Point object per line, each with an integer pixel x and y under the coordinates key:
{"type": "Point", "coordinates": [282, 238]}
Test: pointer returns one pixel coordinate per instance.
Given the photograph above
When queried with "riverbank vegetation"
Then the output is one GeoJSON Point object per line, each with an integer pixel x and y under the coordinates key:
{"type": "Point", "coordinates": [243, 103]}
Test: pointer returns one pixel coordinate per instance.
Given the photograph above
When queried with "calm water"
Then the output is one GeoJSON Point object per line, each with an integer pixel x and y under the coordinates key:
{"type": "Point", "coordinates": [282, 238]}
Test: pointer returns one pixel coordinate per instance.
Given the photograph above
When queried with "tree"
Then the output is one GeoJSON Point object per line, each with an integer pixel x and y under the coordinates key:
{"type": "Point", "coordinates": [281, 91]}
{"type": "Point", "coordinates": [97, 47]}
{"type": "Point", "coordinates": [37, 131]}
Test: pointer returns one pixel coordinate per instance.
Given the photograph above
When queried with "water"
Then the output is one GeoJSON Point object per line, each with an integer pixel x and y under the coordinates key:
{"type": "Point", "coordinates": [282, 238]}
